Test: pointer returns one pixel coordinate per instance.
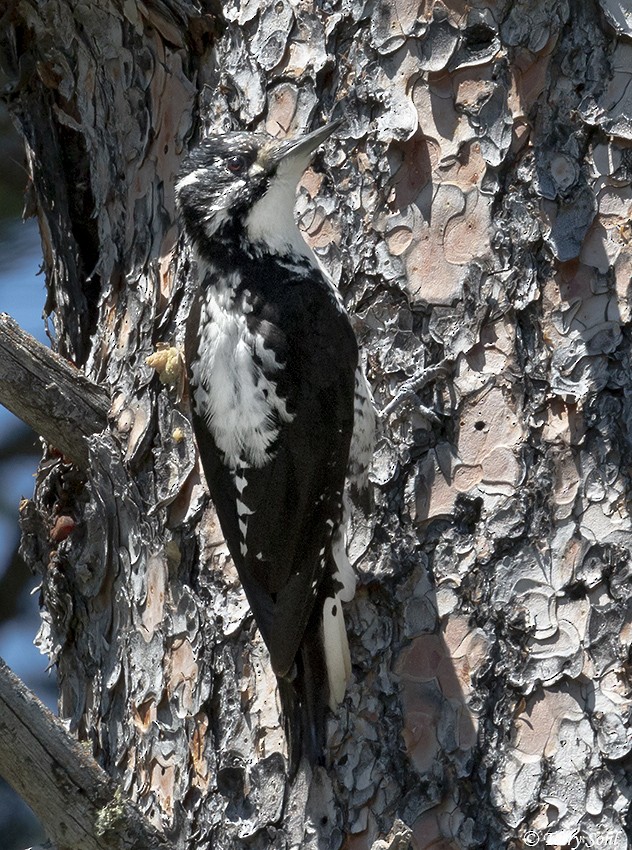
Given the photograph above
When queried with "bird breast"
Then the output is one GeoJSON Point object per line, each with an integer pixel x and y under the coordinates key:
{"type": "Point", "coordinates": [233, 382]}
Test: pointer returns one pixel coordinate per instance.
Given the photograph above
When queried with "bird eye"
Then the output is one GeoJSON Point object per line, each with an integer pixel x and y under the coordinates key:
{"type": "Point", "coordinates": [236, 164]}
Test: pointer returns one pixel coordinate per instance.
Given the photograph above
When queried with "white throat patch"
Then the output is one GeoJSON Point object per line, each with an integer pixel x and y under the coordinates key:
{"type": "Point", "coordinates": [271, 219]}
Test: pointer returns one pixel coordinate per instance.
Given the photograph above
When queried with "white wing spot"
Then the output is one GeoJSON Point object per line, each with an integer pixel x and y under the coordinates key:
{"type": "Point", "coordinates": [243, 509]}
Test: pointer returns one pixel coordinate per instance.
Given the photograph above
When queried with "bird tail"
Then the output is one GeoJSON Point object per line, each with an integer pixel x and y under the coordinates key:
{"type": "Point", "coordinates": [320, 675]}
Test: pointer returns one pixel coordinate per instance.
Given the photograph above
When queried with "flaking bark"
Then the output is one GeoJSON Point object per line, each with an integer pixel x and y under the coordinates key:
{"type": "Point", "coordinates": [476, 213]}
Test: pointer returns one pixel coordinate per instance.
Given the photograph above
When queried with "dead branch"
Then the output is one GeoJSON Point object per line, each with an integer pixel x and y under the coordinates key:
{"type": "Point", "coordinates": [78, 804]}
{"type": "Point", "coordinates": [48, 393]}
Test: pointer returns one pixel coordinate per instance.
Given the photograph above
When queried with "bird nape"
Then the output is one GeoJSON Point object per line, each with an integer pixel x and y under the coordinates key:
{"type": "Point", "coordinates": [281, 411]}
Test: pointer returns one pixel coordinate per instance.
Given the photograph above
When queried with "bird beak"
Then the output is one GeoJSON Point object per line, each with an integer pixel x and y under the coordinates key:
{"type": "Point", "coordinates": [301, 150]}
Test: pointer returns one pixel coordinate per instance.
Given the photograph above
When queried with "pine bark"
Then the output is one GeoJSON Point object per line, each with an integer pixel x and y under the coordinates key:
{"type": "Point", "coordinates": [475, 212]}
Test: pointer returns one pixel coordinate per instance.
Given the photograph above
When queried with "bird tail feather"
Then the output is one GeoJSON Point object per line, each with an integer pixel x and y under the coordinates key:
{"type": "Point", "coordinates": [304, 703]}
{"type": "Point", "coordinates": [319, 679]}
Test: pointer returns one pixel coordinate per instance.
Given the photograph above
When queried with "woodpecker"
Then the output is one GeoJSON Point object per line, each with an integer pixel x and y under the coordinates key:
{"type": "Point", "coordinates": [281, 410]}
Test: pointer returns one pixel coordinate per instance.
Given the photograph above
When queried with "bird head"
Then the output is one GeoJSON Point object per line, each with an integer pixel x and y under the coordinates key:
{"type": "Point", "coordinates": [244, 185]}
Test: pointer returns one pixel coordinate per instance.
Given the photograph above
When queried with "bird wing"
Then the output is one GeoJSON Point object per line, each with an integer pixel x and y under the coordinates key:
{"type": "Point", "coordinates": [279, 518]}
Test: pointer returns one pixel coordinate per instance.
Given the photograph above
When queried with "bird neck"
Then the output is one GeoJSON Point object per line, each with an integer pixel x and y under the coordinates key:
{"type": "Point", "coordinates": [238, 244]}
{"type": "Point", "coordinates": [270, 224]}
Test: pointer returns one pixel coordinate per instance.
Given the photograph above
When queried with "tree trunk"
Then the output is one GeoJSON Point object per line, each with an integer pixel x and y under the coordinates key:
{"type": "Point", "coordinates": [475, 211]}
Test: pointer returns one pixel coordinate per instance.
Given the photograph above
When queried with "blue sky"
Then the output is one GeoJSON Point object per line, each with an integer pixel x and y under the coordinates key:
{"type": "Point", "coordinates": [22, 295]}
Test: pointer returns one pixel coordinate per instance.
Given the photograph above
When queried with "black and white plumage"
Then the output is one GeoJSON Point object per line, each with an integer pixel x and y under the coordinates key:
{"type": "Point", "coordinates": [277, 394]}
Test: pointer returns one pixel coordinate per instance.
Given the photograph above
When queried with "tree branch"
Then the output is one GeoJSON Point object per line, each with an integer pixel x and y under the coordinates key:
{"type": "Point", "coordinates": [48, 393]}
{"type": "Point", "coordinates": [79, 805]}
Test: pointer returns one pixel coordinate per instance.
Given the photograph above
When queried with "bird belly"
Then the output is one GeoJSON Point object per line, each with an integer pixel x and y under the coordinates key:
{"type": "Point", "coordinates": [233, 386]}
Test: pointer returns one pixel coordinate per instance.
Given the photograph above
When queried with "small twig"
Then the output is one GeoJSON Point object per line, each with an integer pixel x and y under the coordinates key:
{"type": "Point", "coordinates": [48, 393]}
{"type": "Point", "coordinates": [408, 389]}
{"type": "Point", "coordinates": [78, 804]}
